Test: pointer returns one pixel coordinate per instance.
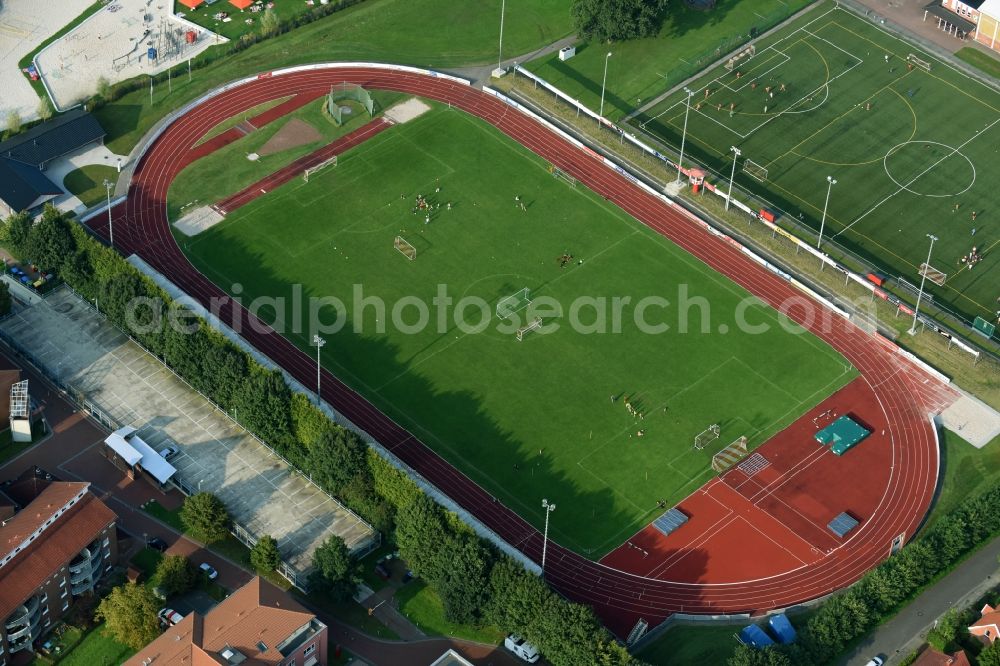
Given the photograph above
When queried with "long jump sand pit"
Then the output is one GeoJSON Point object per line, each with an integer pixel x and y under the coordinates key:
{"type": "Point", "coordinates": [198, 220]}
{"type": "Point", "coordinates": [405, 111]}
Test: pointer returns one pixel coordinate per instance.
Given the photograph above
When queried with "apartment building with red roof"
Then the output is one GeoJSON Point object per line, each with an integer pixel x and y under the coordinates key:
{"type": "Point", "coordinates": [258, 625]}
{"type": "Point", "coordinates": [53, 550]}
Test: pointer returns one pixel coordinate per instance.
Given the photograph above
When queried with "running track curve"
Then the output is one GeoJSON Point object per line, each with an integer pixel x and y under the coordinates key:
{"type": "Point", "coordinates": [142, 227]}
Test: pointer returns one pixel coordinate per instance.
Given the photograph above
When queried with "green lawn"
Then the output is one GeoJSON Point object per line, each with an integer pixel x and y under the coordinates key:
{"type": "Point", "coordinates": [97, 649]}
{"type": "Point", "coordinates": [9, 448]}
{"type": "Point", "coordinates": [532, 419]}
{"type": "Point", "coordinates": [422, 606]}
{"type": "Point", "coordinates": [688, 645]}
{"type": "Point", "coordinates": [87, 183]}
{"type": "Point", "coordinates": [904, 167]}
{"type": "Point", "coordinates": [980, 60]}
{"type": "Point", "coordinates": [147, 560]}
{"type": "Point", "coordinates": [425, 33]}
{"type": "Point", "coordinates": [228, 170]}
{"type": "Point", "coordinates": [965, 471]}
{"type": "Point", "coordinates": [641, 69]}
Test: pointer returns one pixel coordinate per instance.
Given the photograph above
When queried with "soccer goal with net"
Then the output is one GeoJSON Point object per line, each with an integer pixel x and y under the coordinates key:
{"type": "Point", "coordinates": [562, 175]}
{"type": "Point", "coordinates": [918, 62]}
{"type": "Point", "coordinates": [331, 161]}
{"type": "Point", "coordinates": [755, 171]}
{"type": "Point", "coordinates": [707, 436]}
{"type": "Point", "coordinates": [405, 248]}
{"type": "Point", "coordinates": [748, 52]}
{"type": "Point", "coordinates": [514, 303]}
{"type": "Point", "coordinates": [533, 325]}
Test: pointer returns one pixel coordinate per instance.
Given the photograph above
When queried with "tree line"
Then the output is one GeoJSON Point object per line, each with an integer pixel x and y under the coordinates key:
{"type": "Point", "coordinates": [477, 584]}
{"type": "Point", "coordinates": [886, 588]}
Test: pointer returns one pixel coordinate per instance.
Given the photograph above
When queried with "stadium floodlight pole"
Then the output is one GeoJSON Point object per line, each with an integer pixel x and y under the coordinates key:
{"type": "Point", "coordinates": [822, 223]}
{"type": "Point", "coordinates": [319, 342]}
{"type": "Point", "coordinates": [151, 90]}
{"type": "Point", "coordinates": [604, 83]}
{"type": "Point", "coordinates": [549, 508]}
{"type": "Point", "coordinates": [736, 155]}
{"type": "Point", "coordinates": [923, 277]}
{"type": "Point", "coordinates": [503, 6]}
{"type": "Point", "coordinates": [111, 226]}
{"type": "Point", "coordinates": [687, 107]}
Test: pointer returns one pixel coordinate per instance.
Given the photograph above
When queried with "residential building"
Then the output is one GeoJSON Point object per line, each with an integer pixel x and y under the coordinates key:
{"type": "Point", "coordinates": [987, 627]}
{"type": "Point", "coordinates": [24, 157]}
{"type": "Point", "coordinates": [258, 625]}
{"type": "Point", "coordinates": [53, 550]}
{"type": "Point", "coordinates": [931, 657]}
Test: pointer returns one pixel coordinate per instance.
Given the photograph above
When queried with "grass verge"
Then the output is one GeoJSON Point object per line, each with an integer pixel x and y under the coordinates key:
{"type": "Point", "coordinates": [420, 604]}
{"type": "Point", "coordinates": [87, 183]}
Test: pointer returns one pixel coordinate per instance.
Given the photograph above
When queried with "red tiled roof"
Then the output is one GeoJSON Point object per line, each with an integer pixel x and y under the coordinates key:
{"type": "Point", "coordinates": [257, 612]}
{"type": "Point", "coordinates": [931, 657]}
{"type": "Point", "coordinates": [55, 547]}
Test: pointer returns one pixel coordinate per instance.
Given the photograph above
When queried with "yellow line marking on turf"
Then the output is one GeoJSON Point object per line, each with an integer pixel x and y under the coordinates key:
{"type": "Point", "coordinates": [913, 112]}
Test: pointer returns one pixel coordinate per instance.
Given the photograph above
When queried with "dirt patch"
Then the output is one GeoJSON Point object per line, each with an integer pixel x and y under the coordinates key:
{"type": "Point", "coordinates": [295, 133]}
{"type": "Point", "coordinates": [407, 110]}
{"type": "Point", "coordinates": [198, 220]}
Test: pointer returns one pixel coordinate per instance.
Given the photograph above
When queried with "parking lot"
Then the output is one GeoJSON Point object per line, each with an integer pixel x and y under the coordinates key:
{"type": "Point", "coordinates": [79, 349]}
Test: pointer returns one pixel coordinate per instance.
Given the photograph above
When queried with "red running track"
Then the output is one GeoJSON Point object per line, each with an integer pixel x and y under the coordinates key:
{"type": "Point", "coordinates": [619, 598]}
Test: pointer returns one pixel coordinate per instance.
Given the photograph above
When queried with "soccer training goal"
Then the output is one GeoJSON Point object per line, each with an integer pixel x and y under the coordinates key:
{"type": "Point", "coordinates": [934, 275]}
{"type": "Point", "coordinates": [330, 161]}
{"type": "Point", "coordinates": [918, 62]}
{"type": "Point", "coordinates": [562, 175]}
{"type": "Point", "coordinates": [513, 304]}
{"type": "Point", "coordinates": [533, 325]}
{"type": "Point", "coordinates": [707, 436]}
{"type": "Point", "coordinates": [405, 248]}
{"type": "Point", "coordinates": [749, 52]}
{"type": "Point", "coordinates": [755, 171]}
{"type": "Point", "coordinates": [730, 455]}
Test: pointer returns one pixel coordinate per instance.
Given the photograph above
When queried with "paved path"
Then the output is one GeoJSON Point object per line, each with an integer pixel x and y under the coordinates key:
{"type": "Point", "coordinates": [905, 632]}
{"type": "Point", "coordinates": [480, 75]}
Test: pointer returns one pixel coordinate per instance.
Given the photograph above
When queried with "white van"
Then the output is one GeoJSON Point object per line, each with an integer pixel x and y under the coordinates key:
{"type": "Point", "coordinates": [525, 651]}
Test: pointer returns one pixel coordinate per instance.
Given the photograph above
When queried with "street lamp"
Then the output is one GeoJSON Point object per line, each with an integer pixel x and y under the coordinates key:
{"type": "Point", "coordinates": [503, 6]}
{"type": "Point", "coordinates": [549, 508]}
{"type": "Point", "coordinates": [319, 342]}
{"type": "Point", "coordinates": [736, 155]}
{"type": "Point", "coordinates": [604, 83]}
{"type": "Point", "coordinates": [111, 228]}
{"type": "Point", "coordinates": [822, 223]}
{"type": "Point", "coordinates": [923, 277]}
{"type": "Point", "coordinates": [687, 107]}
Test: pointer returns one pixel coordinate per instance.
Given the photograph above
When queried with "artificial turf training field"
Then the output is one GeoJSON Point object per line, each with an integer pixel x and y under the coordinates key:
{"type": "Point", "coordinates": [530, 419]}
{"type": "Point", "coordinates": [927, 142]}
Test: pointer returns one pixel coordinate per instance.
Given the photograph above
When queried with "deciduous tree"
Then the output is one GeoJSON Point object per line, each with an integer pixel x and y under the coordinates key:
{"type": "Point", "coordinates": [205, 517]}
{"type": "Point", "coordinates": [264, 556]}
{"type": "Point", "coordinates": [129, 614]}
{"type": "Point", "coordinates": [617, 20]}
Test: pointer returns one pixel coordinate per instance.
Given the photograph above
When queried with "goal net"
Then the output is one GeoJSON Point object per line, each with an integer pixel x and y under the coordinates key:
{"type": "Point", "coordinates": [730, 455]}
{"type": "Point", "coordinates": [918, 62]}
{"type": "Point", "coordinates": [514, 303]}
{"type": "Point", "coordinates": [748, 52]}
{"type": "Point", "coordinates": [405, 248]}
{"type": "Point", "coordinates": [933, 274]}
{"type": "Point", "coordinates": [533, 325]}
{"type": "Point", "coordinates": [755, 171]}
{"type": "Point", "coordinates": [707, 436]}
{"type": "Point", "coordinates": [562, 175]}
{"type": "Point", "coordinates": [330, 161]}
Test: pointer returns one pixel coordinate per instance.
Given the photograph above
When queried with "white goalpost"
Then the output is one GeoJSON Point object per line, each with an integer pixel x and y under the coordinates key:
{"type": "Point", "coordinates": [513, 304]}
{"type": "Point", "coordinates": [559, 173]}
{"type": "Point", "coordinates": [405, 248]}
{"type": "Point", "coordinates": [533, 325]}
{"type": "Point", "coordinates": [754, 170]}
{"type": "Point", "coordinates": [918, 62]}
{"type": "Point", "coordinates": [707, 436]}
{"type": "Point", "coordinates": [331, 161]}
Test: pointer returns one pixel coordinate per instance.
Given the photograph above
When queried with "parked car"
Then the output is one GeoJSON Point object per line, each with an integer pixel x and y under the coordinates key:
{"type": "Point", "coordinates": [209, 570]}
{"type": "Point", "coordinates": [169, 452]}
{"type": "Point", "coordinates": [156, 543]}
{"type": "Point", "coordinates": [875, 661]}
{"type": "Point", "coordinates": [526, 651]}
{"type": "Point", "coordinates": [169, 617]}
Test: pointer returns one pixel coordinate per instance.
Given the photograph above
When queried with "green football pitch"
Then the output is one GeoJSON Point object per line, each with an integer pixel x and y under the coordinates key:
{"type": "Point", "coordinates": [914, 152]}
{"type": "Point", "coordinates": [531, 419]}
